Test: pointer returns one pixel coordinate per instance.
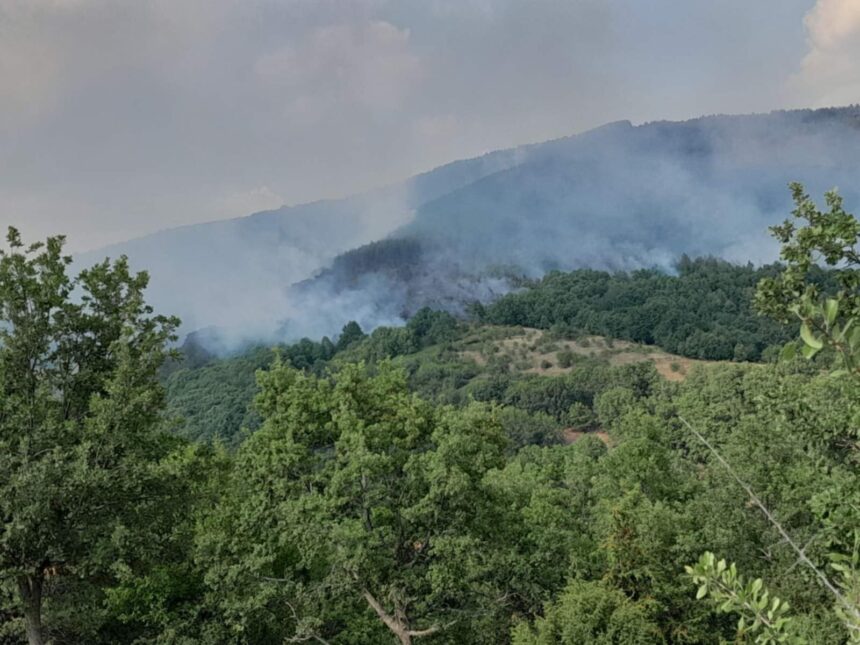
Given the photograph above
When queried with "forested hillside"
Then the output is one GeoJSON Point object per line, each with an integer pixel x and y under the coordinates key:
{"type": "Point", "coordinates": [617, 198]}
{"type": "Point", "coordinates": [529, 482]}
{"type": "Point", "coordinates": [703, 311]}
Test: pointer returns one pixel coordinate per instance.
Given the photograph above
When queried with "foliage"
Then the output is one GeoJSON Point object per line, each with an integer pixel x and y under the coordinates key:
{"type": "Point", "coordinates": [87, 487]}
{"type": "Point", "coordinates": [829, 323]}
{"type": "Point", "coordinates": [427, 493]}
{"type": "Point", "coordinates": [826, 320]}
{"type": "Point", "coordinates": [351, 333]}
{"type": "Point", "coordinates": [704, 311]}
{"type": "Point", "coordinates": [762, 615]}
{"type": "Point", "coordinates": [589, 612]}
{"type": "Point", "coordinates": [526, 429]}
{"type": "Point", "coordinates": [213, 401]}
{"type": "Point", "coordinates": [355, 494]}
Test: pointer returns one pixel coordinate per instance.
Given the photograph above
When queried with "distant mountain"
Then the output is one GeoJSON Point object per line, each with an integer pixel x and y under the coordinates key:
{"type": "Point", "coordinates": [623, 197]}
{"type": "Point", "coordinates": [233, 274]}
{"type": "Point", "coordinates": [618, 197]}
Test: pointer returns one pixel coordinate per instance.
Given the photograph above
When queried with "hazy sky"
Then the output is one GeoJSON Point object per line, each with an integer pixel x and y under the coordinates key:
{"type": "Point", "coordinates": [118, 118]}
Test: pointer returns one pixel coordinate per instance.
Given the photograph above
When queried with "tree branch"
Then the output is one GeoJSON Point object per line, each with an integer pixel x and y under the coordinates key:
{"type": "Point", "coordinates": [801, 554]}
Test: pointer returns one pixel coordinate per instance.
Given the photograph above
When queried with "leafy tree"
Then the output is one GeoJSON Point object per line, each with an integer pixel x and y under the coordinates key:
{"type": "Point", "coordinates": [213, 402]}
{"type": "Point", "coordinates": [351, 333]}
{"type": "Point", "coordinates": [356, 500]}
{"type": "Point", "coordinates": [547, 395]}
{"type": "Point", "coordinates": [386, 342]}
{"type": "Point", "coordinates": [164, 602]}
{"type": "Point", "coordinates": [827, 320]}
{"type": "Point", "coordinates": [589, 612]}
{"type": "Point", "coordinates": [580, 416]}
{"type": "Point", "coordinates": [762, 615]}
{"type": "Point", "coordinates": [432, 327]}
{"type": "Point", "coordinates": [524, 429]}
{"type": "Point", "coordinates": [83, 484]}
{"type": "Point", "coordinates": [613, 404]}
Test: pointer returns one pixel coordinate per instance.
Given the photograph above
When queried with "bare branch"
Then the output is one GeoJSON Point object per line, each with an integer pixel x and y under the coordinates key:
{"type": "Point", "coordinates": [432, 630]}
{"type": "Point", "coordinates": [399, 625]}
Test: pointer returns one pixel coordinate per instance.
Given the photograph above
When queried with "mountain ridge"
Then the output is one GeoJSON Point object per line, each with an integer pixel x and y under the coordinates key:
{"type": "Point", "coordinates": [617, 197]}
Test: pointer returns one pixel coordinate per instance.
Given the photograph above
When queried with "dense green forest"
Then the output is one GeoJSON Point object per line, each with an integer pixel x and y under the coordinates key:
{"type": "Point", "coordinates": [704, 311]}
{"type": "Point", "coordinates": [532, 476]}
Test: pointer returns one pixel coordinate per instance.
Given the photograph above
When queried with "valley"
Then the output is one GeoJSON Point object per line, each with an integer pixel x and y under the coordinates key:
{"type": "Point", "coordinates": [462, 322]}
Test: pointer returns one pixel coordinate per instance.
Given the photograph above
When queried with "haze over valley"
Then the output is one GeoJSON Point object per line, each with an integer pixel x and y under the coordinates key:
{"type": "Point", "coordinates": [618, 198]}
{"type": "Point", "coordinates": [430, 322]}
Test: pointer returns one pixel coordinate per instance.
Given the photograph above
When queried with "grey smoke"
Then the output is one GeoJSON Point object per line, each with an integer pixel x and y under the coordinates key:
{"type": "Point", "coordinates": [616, 198]}
{"type": "Point", "coordinates": [234, 275]}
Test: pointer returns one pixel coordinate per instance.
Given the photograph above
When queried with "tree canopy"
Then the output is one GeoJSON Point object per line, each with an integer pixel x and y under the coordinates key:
{"type": "Point", "coordinates": [83, 472]}
{"type": "Point", "coordinates": [446, 481]}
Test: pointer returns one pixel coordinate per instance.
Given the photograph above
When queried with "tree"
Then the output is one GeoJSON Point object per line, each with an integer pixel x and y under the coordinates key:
{"type": "Point", "coordinates": [762, 615]}
{"type": "Point", "coordinates": [81, 479]}
{"type": "Point", "coordinates": [830, 320]}
{"type": "Point", "coordinates": [826, 321]}
{"type": "Point", "coordinates": [590, 612]}
{"type": "Point", "coordinates": [355, 510]}
{"type": "Point", "coordinates": [431, 327]}
{"type": "Point", "coordinates": [350, 334]}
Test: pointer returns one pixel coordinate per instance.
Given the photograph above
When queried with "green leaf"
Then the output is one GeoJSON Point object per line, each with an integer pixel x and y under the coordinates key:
{"type": "Point", "coordinates": [702, 592]}
{"type": "Point", "coordinates": [854, 339]}
{"type": "Point", "coordinates": [809, 338]}
{"type": "Point", "coordinates": [831, 310]}
{"type": "Point", "coordinates": [788, 353]}
{"type": "Point", "coordinates": [808, 352]}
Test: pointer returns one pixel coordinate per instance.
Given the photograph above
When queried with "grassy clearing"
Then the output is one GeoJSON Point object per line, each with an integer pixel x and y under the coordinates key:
{"type": "Point", "coordinates": [537, 351]}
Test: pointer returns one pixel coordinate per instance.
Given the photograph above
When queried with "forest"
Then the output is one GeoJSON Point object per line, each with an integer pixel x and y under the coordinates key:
{"type": "Point", "coordinates": [704, 311]}
{"type": "Point", "coordinates": [609, 458]}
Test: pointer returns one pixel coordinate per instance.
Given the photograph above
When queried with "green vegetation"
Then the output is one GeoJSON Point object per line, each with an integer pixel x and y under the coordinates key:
{"type": "Point", "coordinates": [446, 362]}
{"type": "Point", "coordinates": [705, 311]}
{"type": "Point", "coordinates": [432, 483]}
{"type": "Point", "coordinates": [88, 486]}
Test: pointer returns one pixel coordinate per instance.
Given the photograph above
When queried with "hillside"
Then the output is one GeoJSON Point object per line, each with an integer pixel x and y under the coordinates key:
{"type": "Point", "coordinates": [554, 343]}
{"type": "Point", "coordinates": [537, 374]}
{"type": "Point", "coordinates": [618, 197]}
{"type": "Point", "coordinates": [535, 351]}
{"type": "Point", "coordinates": [234, 274]}
{"type": "Point", "coordinates": [498, 479]}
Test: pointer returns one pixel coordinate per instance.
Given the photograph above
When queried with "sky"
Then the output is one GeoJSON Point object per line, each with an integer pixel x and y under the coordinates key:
{"type": "Point", "coordinates": [121, 118]}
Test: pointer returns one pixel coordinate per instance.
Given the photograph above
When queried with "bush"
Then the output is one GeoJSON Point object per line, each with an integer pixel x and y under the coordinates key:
{"type": "Point", "coordinates": [565, 358]}
{"type": "Point", "coordinates": [580, 417]}
{"type": "Point", "coordinates": [524, 429]}
{"type": "Point", "coordinates": [589, 612]}
{"type": "Point", "coordinates": [613, 404]}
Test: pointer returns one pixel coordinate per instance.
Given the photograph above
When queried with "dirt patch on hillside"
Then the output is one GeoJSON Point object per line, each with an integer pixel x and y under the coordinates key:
{"type": "Point", "coordinates": [569, 436]}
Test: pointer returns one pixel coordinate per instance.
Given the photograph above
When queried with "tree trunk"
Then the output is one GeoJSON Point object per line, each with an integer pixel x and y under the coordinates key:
{"type": "Point", "coordinates": [399, 622]}
{"type": "Point", "coordinates": [394, 624]}
{"type": "Point", "coordinates": [30, 588]}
